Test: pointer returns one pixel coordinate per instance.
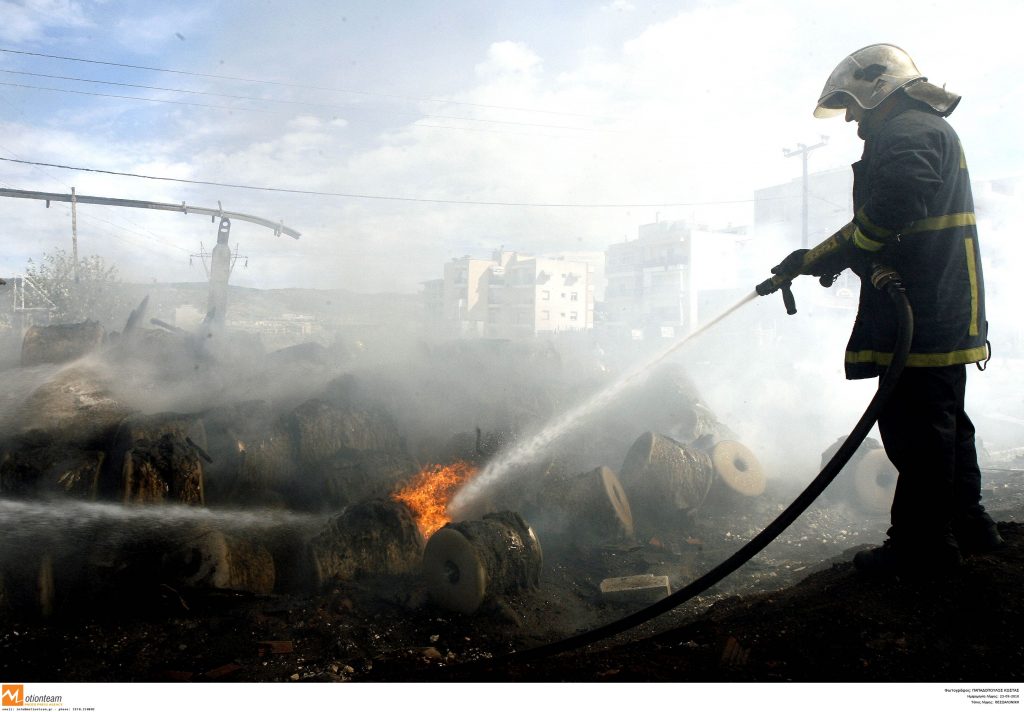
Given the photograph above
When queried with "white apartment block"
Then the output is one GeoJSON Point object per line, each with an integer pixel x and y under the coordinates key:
{"type": "Point", "coordinates": [516, 296]}
{"type": "Point", "coordinates": [658, 283]}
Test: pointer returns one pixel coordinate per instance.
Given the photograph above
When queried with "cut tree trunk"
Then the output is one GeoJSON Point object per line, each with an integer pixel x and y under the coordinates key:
{"type": "Point", "coordinates": [468, 563]}
{"type": "Point", "coordinates": [589, 508]}
{"type": "Point", "coordinates": [60, 343]}
{"type": "Point", "coordinates": [208, 558]}
{"type": "Point", "coordinates": [321, 429]}
{"type": "Point", "coordinates": [157, 458]}
{"type": "Point", "coordinates": [375, 537]}
{"type": "Point", "coordinates": [666, 481]}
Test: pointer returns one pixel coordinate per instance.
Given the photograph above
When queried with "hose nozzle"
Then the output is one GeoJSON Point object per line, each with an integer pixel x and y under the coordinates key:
{"type": "Point", "coordinates": [779, 282]}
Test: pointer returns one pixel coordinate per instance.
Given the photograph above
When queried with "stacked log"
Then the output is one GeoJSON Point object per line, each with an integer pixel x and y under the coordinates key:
{"type": "Point", "coordinates": [60, 343]}
{"type": "Point", "coordinates": [252, 452]}
{"type": "Point", "coordinates": [874, 482]}
{"type": "Point", "coordinates": [321, 429]}
{"type": "Point", "coordinates": [158, 458]}
{"type": "Point", "coordinates": [738, 475]}
{"type": "Point", "coordinates": [51, 468]}
{"type": "Point", "coordinates": [664, 479]}
{"type": "Point", "coordinates": [352, 476]}
{"type": "Point", "coordinates": [379, 536]}
{"type": "Point", "coordinates": [211, 559]}
{"type": "Point", "coordinates": [868, 480]}
{"type": "Point", "coordinates": [468, 563]}
{"type": "Point", "coordinates": [75, 407]}
{"type": "Point", "coordinates": [588, 508]}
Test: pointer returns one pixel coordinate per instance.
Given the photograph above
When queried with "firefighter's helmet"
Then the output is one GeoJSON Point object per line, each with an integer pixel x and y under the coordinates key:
{"type": "Point", "coordinates": [867, 77]}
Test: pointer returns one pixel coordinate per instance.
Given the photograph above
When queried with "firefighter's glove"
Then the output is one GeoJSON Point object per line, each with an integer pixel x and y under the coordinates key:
{"type": "Point", "coordinates": [793, 265]}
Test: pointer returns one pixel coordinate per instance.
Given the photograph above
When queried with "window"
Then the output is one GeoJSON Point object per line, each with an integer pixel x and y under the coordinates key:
{"type": "Point", "coordinates": [574, 297]}
{"type": "Point", "coordinates": [545, 315]}
{"type": "Point", "coordinates": [545, 294]}
{"type": "Point", "coordinates": [572, 316]}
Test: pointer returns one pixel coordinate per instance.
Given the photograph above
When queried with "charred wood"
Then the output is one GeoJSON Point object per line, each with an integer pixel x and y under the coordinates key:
{"type": "Point", "coordinates": [468, 563]}
{"type": "Point", "coordinates": [375, 537]}
{"type": "Point", "coordinates": [60, 343]}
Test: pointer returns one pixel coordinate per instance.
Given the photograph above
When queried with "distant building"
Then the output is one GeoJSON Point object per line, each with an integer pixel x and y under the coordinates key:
{"type": "Point", "coordinates": [779, 208]}
{"type": "Point", "coordinates": [662, 283]}
{"type": "Point", "coordinates": [539, 295]}
{"type": "Point", "coordinates": [513, 295]}
{"type": "Point", "coordinates": [464, 295]}
{"type": "Point", "coordinates": [433, 302]}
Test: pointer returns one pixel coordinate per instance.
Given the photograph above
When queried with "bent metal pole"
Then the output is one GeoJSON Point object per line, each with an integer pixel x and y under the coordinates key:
{"type": "Point", "coordinates": [278, 227]}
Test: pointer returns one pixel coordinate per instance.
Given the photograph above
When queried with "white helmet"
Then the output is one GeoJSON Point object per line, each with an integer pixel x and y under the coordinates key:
{"type": "Point", "coordinates": [867, 76]}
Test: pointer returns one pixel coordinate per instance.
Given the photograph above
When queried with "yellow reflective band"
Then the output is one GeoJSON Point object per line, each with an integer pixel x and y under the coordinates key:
{"type": "Point", "coordinates": [972, 274]}
{"type": "Point", "coordinates": [941, 222]}
{"type": "Point", "coordinates": [864, 221]}
{"type": "Point", "coordinates": [866, 243]}
{"type": "Point", "coordinates": [952, 358]}
{"type": "Point", "coordinates": [963, 158]}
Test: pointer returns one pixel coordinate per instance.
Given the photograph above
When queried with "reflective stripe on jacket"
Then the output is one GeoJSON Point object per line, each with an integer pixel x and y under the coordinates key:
{"type": "Point", "coordinates": [915, 212]}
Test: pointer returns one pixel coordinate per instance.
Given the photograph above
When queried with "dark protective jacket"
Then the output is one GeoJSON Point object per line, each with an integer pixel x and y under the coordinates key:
{"type": "Point", "coordinates": [915, 212]}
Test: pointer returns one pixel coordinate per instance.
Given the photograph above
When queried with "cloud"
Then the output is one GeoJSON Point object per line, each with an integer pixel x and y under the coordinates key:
{"type": "Point", "coordinates": [695, 108]}
{"type": "Point", "coordinates": [32, 20]}
{"type": "Point", "coordinates": [619, 6]}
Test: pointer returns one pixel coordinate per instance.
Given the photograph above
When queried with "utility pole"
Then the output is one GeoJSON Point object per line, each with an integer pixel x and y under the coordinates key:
{"type": "Point", "coordinates": [74, 231]}
{"type": "Point", "coordinates": [222, 262]}
{"type": "Point", "coordinates": [802, 150]}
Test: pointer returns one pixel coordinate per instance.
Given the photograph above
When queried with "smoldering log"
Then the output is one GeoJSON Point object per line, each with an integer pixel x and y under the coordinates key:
{"type": "Point", "coordinates": [60, 343]}
{"type": "Point", "coordinates": [587, 507]}
{"type": "Point", "coordinates": [321, 429]}
{"type": "Point", "coordinates": [155, 458]}
{"type": "Point", "coordinates": [75, 407]}
{"type": "Point", "coordinates": [208, 558]}
{"type": "Point", "coordinates": [468, 563]}
{"type": "Point", "coordinates": [379, 536]}
{"type": "Point", "coordinates": [738, 473]}
{"type": "Point", "coordinates": [664, 479]}
{"type": "Point", "coordinates": [51, 468]}
{"type": "Point", "coordinates": [349, 477]}
{"type": "Point", "coordinates": [253, 455]}
{"type": "Point", "coordinates": [162, 470]}
{"type": "Point", "coordinates": [868, 480]}
{"type": "Point", "coordinates": [874, 482]}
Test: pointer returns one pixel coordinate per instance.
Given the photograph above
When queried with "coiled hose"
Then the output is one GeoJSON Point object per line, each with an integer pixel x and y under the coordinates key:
{"type": "Point", "coordinates": [882, 278]}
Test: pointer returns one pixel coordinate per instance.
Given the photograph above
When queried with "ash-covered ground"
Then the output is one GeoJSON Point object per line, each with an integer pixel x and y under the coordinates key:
{"type": "Point", "coordinates": [294, 438]}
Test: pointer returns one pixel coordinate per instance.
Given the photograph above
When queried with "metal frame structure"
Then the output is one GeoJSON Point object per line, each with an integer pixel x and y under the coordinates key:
{"type": "Point", "coordinates": [279, 227]}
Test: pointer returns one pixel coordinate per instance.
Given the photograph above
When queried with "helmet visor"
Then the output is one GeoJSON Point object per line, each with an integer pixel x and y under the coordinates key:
{"type": "Point", "coordinates": [833, 104]}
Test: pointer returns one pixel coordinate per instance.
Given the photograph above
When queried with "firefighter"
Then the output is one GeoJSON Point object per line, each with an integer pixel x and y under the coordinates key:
{"type": "Point", "coordinates": [913, 211]}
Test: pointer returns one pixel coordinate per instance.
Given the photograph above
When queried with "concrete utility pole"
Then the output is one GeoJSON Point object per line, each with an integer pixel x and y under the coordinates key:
{"type": "Point", "coordinates": [802, 150]}
{"type": "Point", "coordinates": [74, 230]}
{"type": "Point", "coordinates": [222, 262]}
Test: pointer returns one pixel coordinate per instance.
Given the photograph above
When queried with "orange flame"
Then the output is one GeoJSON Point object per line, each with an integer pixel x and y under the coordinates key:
{"type": "Point", "coordinates": [430, 491]}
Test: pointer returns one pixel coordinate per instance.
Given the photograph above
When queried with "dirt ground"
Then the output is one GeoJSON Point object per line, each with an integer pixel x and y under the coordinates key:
{"type": "Point", "coordinates": [797, 612]}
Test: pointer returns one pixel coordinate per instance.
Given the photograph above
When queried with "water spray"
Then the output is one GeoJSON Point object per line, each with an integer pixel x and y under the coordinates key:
{"type": "Point", "coordinates": [532, 448]}
{"type": "Point", "coordinates": [883, 278]}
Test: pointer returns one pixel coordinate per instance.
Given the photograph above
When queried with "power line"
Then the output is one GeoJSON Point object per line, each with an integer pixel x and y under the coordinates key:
{"type": "Point", "coordinates": [293, 86]}
{"type": "Point", "coordinates": [258, 98]}
{"type": "Point", "coordinates": [142, 98]}
{"type": "Point", "coordinates": [365, 196]}
{"type": "Point", "coordinates": [160, 238]}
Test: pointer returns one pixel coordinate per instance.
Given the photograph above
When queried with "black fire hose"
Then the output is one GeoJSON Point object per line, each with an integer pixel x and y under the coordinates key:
{"type": "Point", "coordinates": [882, 278]}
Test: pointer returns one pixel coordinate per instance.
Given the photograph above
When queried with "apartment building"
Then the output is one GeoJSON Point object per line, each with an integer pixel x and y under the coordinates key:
{"type": "Point", "coordinates": [660, 283]}
{"type": "Point", "coordinates": [515, 296]}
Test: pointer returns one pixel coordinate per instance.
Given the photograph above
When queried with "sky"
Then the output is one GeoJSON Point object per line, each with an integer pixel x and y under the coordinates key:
{"type": "Point", "coordinates": [410, 133]}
